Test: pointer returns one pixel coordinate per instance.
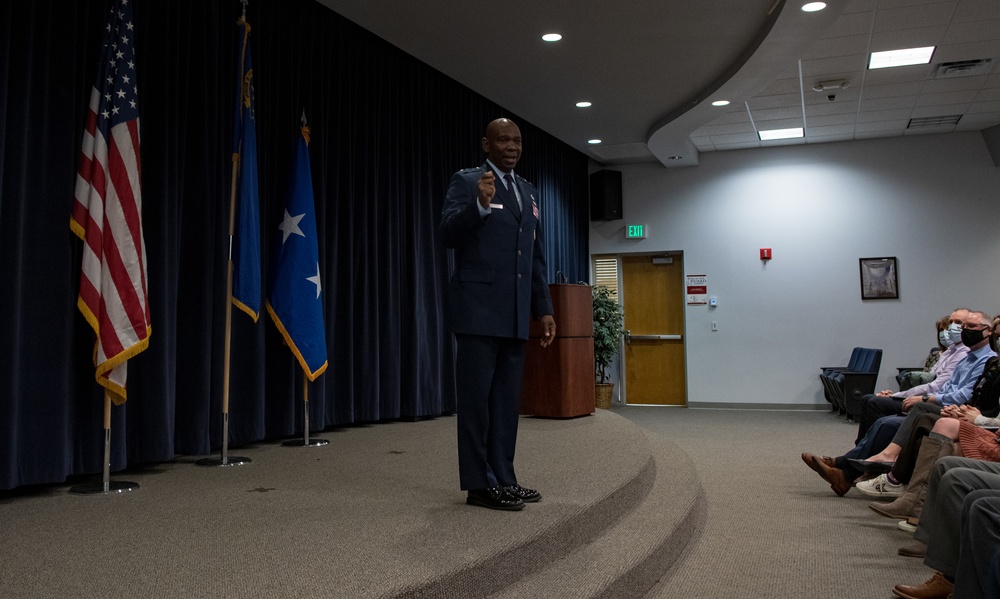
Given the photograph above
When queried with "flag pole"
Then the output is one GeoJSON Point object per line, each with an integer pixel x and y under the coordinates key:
{"type": "Point", "coordinates": [305, 441]}
{"type": "Point", "coordinates": [226, 459]}
{"type": "Point", "coordinates": [105, 487]}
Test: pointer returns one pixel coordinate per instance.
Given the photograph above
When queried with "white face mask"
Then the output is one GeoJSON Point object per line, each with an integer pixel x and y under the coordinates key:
{"type": "Point", "coordinates": [955, 331]}
{"type": "Point", "coordinates": [945, 338]}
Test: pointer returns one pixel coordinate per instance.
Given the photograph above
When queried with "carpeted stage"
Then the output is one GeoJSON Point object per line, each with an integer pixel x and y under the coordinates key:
{"type": "Point", "coordinates": [376, 513]}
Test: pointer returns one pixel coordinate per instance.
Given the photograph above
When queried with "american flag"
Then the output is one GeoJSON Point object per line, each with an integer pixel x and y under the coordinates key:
{"type": "Point", "coordinates": [107, 210]}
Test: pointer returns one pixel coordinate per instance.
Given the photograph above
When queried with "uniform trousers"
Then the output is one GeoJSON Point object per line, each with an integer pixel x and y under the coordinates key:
{"type": "Point", "coordinates": [488, 377]}
{"type": "Point", "coordinates": [951, 480]}
{"type": "Point", "coordinates": [978, 574]}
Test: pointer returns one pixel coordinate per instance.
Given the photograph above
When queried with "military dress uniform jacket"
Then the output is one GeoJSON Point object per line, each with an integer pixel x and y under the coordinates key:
{"type": "Point", "coordinates": [500, 279]}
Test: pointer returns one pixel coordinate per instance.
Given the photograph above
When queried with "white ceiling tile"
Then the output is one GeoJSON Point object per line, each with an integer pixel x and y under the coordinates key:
{"type": "Point", "coordinates": [721, 140]}
{"type": "Point", "coordinates": [777, 101]}
{"type": "Point", "coordinates": [849, 24]}
{"type": "Point", "coordinates": [964, 98]}
{"type": "Point", "coordinates": [884, 115]}
{"type": "Point", "coordinates": [740, 146]}
{"type": "Point", "coordinates": [955, 84]}
{"type": "Point", "coordinates": [876, 126]}
{"type": "Point", "coordinates": [829, 138]}
{"type": "Point", "coordinates": [944, 110]}
{"type": "Point", "coordinates": [976, 10]}
{"type": "Point", "coordinates": [831, 130]}
{"type": "Point", "coordinates": [978, 107]}
{"type": "Point", "coordinates": [973, 31]}
{"type": "Point", "coordinates": [911, 88]}
{"type": "Point", "coordinates": [830, 120]}
{"type": "Point", "coordinates": [767, 125]}
{"type": "Point", "coordinates": [981, 119]}
{"type": "Point", "coordinates": [834, 65]}
{"type": "Point", "coordinates": [837, 46]}
{"type": "Point", "coordinates": [908, 38]}
{"type": "Point", "coordinates": [876, 104]}
{"type": "Point", "coordinates": [913, 16]}
{"type": "Point", "coordinates": [967, 51]}
{"type": "Point", "coordinates": [774, 114]}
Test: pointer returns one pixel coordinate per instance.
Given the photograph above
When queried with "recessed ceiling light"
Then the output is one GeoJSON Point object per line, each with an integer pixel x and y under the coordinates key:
{"type": "Point", "coordinates": [900, 58]}
{"type": "Point", "coordinates": [552, 37]}
{"type": "Point", "coordinates": [780, 134]}
{"type": "Point", "coordinates": [583, 104]}
{"type": "Point", "coordinates": [593, 142]}
{"type": "Point", "coordinates": [813, 6]}
{"type": "Point", "coordinates": [720, 103]}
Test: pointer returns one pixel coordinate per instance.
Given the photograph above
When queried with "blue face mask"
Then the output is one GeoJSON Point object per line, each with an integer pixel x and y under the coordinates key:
{"type": "Point", "coordinates": [955, 331]}
{"type": "Point", "coordinates": [945, 338]}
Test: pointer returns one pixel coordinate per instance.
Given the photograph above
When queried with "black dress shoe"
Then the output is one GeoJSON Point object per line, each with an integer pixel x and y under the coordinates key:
{"type": "Point", "coordinates": [495, 498]}
{"type": "Point", "coordinates": [871, 467]}
{"type": "Point", "coordinates": [525, 495]}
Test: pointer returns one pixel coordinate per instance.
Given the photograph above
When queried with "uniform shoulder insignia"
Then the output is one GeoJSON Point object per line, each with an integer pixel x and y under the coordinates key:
{"type": "Point", "coordinates": [470, 169]}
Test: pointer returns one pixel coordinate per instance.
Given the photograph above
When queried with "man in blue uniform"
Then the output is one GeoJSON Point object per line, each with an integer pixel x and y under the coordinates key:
{"type": "Point", "coordinates": [490, 220]}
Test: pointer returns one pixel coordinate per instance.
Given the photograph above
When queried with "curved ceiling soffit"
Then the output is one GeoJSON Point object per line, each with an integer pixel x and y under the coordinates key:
{"type": "Point", "coordinates": [787, 33]}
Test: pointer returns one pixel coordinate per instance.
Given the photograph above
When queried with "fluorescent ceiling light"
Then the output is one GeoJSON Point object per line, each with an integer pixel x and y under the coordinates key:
{"type": "Point", "coordinates": [900, 58]}
{"type": "Point", "coordinates": [593, 142]}
{"type": "Point", "coordinates": [720, 103]}
{"type": "Point", "coordinates": [583, 104]}
{"type": "Point", "coordinates": [552, 37]}
{"type": "Point", "coordinates": [813, 6]}
{"type": "Point", "coordinates": [780, 134]}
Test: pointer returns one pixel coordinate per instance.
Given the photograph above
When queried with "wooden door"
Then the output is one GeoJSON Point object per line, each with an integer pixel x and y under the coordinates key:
{"type": "Point", "coordinates": [653, 298]}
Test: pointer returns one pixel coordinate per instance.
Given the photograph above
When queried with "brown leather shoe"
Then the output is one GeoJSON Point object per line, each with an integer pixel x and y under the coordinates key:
{"type": "Point", "coordinates": [914, 549]}
{"type": "Point", "coordinates": [808, 458]}
{"type": "Point", "coordinates": [937, 587]}
{"type": "Point", "coordinates": [831, 474]}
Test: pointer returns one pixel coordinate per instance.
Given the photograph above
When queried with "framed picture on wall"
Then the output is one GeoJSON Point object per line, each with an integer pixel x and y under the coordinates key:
{"type": "Point", "coordinates": [879, 278]}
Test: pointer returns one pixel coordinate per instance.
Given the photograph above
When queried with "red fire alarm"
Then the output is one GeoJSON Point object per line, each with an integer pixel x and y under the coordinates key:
{"type": "Point", "coordinates": [765, 253]}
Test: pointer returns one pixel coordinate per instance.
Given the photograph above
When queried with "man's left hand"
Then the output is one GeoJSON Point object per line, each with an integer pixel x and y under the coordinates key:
{"type": "Point", "coordinates": [548, 330]}
{"type": "Point", "coordinates": [909, 402]}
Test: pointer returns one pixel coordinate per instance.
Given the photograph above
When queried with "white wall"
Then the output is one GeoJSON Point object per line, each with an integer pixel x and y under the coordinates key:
{"type": "Point", "coordinates": [930, 201]}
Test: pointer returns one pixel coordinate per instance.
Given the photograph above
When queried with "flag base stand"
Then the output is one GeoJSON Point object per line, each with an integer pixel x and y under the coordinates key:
{"type": "Point", "coordinates": [305, 443]}
{"type": "Point", "coordinates": [106, 486]}
{"type": "Point", "coordinates": [103, 488]}
{"type": "Point", "coordinates": [226, 459]}
{"type": "Point", "coordinates": [229, 461]}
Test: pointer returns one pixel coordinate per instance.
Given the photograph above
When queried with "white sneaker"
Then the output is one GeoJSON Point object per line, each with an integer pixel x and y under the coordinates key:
{"type": "Point", "coordinates": [906, 526]}
{"type": "Point", "coordinates": [880, 487]}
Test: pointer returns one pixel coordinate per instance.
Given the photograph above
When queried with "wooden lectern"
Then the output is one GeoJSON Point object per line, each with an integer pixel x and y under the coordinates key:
{"type": "Point", "coordinates": [559, 379]}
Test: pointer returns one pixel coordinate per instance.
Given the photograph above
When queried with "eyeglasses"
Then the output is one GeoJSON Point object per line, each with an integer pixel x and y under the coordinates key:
{"type": "Point", "coordinates": [978, 327]}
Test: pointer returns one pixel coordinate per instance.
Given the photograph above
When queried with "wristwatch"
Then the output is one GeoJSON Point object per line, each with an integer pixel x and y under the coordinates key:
{"type": "Point", "coordinates": [926, 396]}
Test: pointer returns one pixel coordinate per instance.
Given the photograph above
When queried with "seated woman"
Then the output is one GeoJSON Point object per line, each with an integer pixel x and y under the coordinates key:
{"type": "Point", "coordinates": [967, 434]}
{"type": "Point", "coordinates": [985, 396]}
{"type": "Point", "coordinates": [908, 432]}
{"type": "Point", "coordinates": [911, 378]}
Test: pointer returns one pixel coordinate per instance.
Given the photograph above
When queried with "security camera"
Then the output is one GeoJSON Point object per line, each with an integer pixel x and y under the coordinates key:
{"type": "Point", "coordinates": [832, 97]}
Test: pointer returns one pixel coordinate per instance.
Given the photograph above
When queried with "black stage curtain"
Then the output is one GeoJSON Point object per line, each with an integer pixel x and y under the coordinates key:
{"type": "Point", "coordinates": [387, 133]}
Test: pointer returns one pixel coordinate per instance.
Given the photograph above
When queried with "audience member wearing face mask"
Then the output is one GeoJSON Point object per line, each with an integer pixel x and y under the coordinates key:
{"type": "Point", "coordinates": [888, 403]}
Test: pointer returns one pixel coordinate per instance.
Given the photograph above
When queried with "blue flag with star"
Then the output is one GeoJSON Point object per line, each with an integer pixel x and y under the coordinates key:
{"type": "Point", "coordinates": [294, 298]}
{"type": "Point", "coordinates": [245, 249]}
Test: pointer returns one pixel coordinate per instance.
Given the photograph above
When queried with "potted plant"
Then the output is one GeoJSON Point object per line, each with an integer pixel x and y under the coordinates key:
{"type": "Point", "coordinates": [609, 321]}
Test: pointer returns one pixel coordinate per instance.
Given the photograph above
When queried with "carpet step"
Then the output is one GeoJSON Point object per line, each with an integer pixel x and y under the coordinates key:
{"type": "Point", "coordinates": [640, 548]}
{"type": "Point", "coordinates": [583, 497]}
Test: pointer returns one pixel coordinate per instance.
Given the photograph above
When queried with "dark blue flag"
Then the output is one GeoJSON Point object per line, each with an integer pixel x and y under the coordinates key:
{"type": "Point", "coordinates": [294, 297]}
{"type": "Point", "coordinates": [246, 237]}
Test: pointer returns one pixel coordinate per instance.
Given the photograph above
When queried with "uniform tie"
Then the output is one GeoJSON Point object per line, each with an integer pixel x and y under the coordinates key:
{"type": "Point", "coordinates": [509, 182]}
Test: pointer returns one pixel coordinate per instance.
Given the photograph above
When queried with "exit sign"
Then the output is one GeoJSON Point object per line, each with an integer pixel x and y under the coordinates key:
{"type": "Point", "coordinates": [635, 232]}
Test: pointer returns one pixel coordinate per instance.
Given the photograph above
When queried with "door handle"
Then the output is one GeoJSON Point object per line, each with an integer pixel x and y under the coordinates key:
{"type": "Point", "coordinates": [655, 337]}
{"type": "Point", "coordinates": [628, 336]}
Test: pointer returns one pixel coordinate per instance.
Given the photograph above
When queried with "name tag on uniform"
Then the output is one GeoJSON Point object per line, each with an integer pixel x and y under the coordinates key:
{"type": "Point", "coordinates": [496, 206]}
